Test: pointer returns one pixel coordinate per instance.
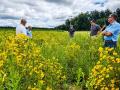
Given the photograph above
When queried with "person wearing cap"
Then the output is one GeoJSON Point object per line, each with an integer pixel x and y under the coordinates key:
{"type": "Point", "coordinates": [111, 32]}
{"type": "Point", "coordinates": [94, 28]}
{"type": "Point", "coordinates": [21, 29]}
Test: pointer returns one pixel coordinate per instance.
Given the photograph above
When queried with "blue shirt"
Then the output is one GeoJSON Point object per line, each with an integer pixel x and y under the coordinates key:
{"type": "Point", "coordinates": [114, 28]}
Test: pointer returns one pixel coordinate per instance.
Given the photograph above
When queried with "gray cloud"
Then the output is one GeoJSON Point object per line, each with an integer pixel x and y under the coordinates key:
{"type": "Point", "coordinates": [64, 2]}
{"type": "Point", "coordinates": [9, 17]}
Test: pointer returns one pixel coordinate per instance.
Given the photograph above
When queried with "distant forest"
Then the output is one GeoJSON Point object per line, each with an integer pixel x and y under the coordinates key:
{"type": "Point", "coordinates": [82, 21]}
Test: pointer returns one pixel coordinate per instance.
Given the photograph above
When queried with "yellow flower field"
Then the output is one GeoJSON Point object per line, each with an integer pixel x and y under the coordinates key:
{"type": "Point", "coordinates": [51, 60]}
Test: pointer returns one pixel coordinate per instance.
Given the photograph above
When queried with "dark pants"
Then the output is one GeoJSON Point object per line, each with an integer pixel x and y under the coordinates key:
{"type": "Point", "coordinates": [110, 43]}
{"type": "Point", "coordinates": [71, 34]}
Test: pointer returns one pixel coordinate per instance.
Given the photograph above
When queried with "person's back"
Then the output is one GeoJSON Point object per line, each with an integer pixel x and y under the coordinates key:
{"type": "Point", "coordinates": [94, 28]}
{"type": "Point", "coordinates": [20, 29]}
{"type": "Point", "coordinates": [71, 31]}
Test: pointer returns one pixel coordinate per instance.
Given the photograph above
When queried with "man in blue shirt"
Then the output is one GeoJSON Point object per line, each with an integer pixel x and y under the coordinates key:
{"type": "Point", "coordinates": [111, 32]}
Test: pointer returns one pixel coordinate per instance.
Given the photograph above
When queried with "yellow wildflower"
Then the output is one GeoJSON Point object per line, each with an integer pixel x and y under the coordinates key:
{"type": "Point", "coordinates": [100, 49]}
{"type": "Point", "coordinates": [115, 54]}
{"type": "Point", "coordinates": [48, 88]}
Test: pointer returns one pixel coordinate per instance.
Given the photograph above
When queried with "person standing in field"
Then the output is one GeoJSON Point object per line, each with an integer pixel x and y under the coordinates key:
{"type": "Point", "coordinates": [21, 29]}
{"type": "Point", "coordinates": [29, 31]}
{"type": "Point", "coordinates": [71, 31]}
{"type": "Point", "coordinates": [111, 32]}
{"type": "Point", "coordinates": [94, 28]}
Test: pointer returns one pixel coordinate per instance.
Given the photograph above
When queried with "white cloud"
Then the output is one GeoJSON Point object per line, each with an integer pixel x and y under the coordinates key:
{"type": "Point", "coordinates": [47, 13]}
{"type": "Point", "coordinates": [113, 4]}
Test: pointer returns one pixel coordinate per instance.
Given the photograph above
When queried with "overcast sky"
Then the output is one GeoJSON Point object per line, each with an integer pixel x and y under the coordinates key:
{"type": "Point", "coordinates": [48, 13]}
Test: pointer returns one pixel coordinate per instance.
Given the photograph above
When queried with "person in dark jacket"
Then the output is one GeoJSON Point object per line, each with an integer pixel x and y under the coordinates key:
{"type": "Point", "coordinates": [71, 31]}
{"type": "Point", "coordinates": [94, 28]}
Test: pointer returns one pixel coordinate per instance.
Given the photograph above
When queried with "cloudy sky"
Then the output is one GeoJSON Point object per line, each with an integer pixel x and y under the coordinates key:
{"type": "Point", "coordinates": [48, 13]}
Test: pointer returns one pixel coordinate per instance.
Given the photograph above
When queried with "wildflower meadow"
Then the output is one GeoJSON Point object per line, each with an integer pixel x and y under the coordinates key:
{"type": "Point", "coordinates": [51, 60]}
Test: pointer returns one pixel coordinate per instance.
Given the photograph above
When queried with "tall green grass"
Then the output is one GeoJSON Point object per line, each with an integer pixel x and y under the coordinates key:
{"type": "Point", "coordinates": [58, 44]}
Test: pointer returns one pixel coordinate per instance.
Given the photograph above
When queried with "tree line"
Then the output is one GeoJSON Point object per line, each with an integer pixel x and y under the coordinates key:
{"type": "Point", "coordinates": [82, 21]}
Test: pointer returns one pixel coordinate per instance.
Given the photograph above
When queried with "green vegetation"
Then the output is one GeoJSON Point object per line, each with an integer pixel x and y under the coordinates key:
{"type": "Point", "coordinates": [52, 61]}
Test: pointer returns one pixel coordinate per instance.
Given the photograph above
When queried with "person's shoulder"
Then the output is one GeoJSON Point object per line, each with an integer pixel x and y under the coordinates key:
{"type": "Point", "coordinates": [97, 25]}
{"type": "Point", "coordinates": [117, 23]}
{"type": "Point", "coordinates": [117, 26]}
{"type": "Point", "coordinates": [19, 26]}
{"type": "Point", "coordinates": [23, 28]}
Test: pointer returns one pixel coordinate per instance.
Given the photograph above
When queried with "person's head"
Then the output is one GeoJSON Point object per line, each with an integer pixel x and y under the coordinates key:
{"type": "Point", "coordinates": [112, 18]}
{"type": "Point", "coordinates": [93, 22]}
{"type": "Point", "coordinates": [30, 27]}
{"type": "Point", "coordinates": [23, 22]}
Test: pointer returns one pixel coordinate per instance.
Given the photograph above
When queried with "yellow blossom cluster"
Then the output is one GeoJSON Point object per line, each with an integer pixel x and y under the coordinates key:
{"type": "Point", "coordinates": [23, 67]}
{"type": "Point", "coordinates": [105, 74]}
